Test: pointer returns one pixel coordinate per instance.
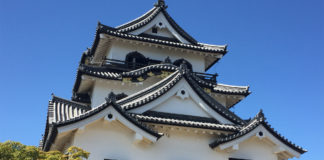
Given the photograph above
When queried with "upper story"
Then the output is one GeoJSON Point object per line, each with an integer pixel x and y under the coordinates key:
{"type": "Point", "coordinates": [154, 36]}
{"type": "Point", "coordinates": [151, 39]}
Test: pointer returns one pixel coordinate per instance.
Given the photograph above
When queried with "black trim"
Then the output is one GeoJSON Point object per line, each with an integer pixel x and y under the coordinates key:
{"type": "Point", "coordinates": [50, 138]}
{"type": "Point", "coordinates": [216, 106]}
{"type": "Point", "coordinates": [159, 37]}
{"type": "Point", "coordinates": [106, 30]}
{"type": "Point", "coordinates": [187, 123]}
{"type": "Point", "coordinates": [152, 12]}
{"type": "Point", "coordinates": [180, 116]}
{"type": "Point", "coordinates": [181, 31]}
{"type": "Point", "coordinates": [258, 120]}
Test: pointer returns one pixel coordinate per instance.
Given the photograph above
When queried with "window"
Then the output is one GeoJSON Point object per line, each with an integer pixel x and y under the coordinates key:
{"type": "Point", "coordinates": [135, 60]}
{"type": "Point", "coordinates": [180, 61]}
{"type": "Point", "coordinates": [154, 30]}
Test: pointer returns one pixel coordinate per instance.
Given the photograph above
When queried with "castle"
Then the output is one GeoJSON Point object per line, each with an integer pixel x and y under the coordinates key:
{"type": "Point", "coordinates": [141, 93]}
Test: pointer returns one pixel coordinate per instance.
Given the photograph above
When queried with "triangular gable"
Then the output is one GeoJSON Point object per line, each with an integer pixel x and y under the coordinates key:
{"type": "Point", "coordinates": [110, 111]}
{"type": "Point", "coordinates": [182, 99]}
{"type": "Point", "coordinates": [160, 27]}
{"type": "Point", "coordinates": [258, 127]}
{"type": "Point", "coordinates": [157, 94]}
{"type": "Point", "coordinates": [157, 22]}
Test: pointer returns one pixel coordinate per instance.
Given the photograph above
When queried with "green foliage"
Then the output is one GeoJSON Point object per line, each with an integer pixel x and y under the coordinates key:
{"type": "Point", "coordinates": [10, 150]}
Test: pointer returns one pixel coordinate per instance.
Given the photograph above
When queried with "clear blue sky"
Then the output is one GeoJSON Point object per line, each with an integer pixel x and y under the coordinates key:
{"type": "Point", "coordinates": [275, 46]}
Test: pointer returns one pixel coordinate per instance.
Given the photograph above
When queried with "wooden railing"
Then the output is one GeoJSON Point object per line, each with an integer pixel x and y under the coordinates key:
{"type": "Point", "coordinates": [128, 66]}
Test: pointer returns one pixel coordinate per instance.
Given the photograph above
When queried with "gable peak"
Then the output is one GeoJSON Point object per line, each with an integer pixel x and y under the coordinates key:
{"type": "Point", "coordinates": [111, 97]}
{"type": "Point", "coordinates": [161, 3]}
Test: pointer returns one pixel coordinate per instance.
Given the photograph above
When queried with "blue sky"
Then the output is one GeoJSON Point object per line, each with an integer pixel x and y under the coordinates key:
{"type": "Point", "coordinates": [275, 46]}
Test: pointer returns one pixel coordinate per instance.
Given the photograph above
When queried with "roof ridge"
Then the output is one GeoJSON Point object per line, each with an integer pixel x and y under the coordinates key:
{"type": "Point", "coordinates": [141, 93]}
{"type": "Point", "coordinates": [219, 108]}
{"type": "Point", "coordinates": [141, 21]}
{"type": "Point", "coordinates": [145, 69]}
{"type": "Point", "coordinates": [179, 29]}
{"type": "Point", "coordinates": [140, 18]}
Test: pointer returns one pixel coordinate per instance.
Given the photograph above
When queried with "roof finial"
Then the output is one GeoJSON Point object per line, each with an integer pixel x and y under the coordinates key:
{"type": "Point", "coordinates": [260, 116]}
{"type": "Point", "coordinates": [183, 67]}
{"type": "Point", "coordinates": [111, 97]}
{"type": "Point", "coordinates": [167, 60]}
{"type": "Point", "coordinates": [161, 3]}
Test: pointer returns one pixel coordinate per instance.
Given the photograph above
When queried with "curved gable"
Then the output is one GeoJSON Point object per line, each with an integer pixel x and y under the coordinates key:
{"type": "Point", "coordinates": [259, 128]}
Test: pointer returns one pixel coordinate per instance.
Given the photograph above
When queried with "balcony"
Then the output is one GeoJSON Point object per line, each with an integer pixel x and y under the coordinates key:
{"type": "Point", "coordinates": [123, 66]}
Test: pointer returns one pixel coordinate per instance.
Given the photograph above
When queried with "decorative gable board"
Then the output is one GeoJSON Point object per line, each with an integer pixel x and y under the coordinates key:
{"type": "Point", "coordinates": [168, 102]}
{"type": "Point", "coordinates": [161, 23]}
{"type": "Point", "coordinates": [181, 106]}
{"type": "Point", "coordinates": [162, 32]}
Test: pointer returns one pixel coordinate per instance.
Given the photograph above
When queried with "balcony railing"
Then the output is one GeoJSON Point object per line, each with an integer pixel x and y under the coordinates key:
{"type": "Point", "coordinates": [124, 66]}
{"type": "Point", "coordinates": [127, 66]}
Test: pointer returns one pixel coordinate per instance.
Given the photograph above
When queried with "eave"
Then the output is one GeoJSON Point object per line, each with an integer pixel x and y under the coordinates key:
{"type": "Point", "coordinates": [145, 72]}
{"type": "Point", "coordinates": [194, 47]}
{"type": "Point", "coordinates": [258, 121]}
{"type": "Point", "coordinates": [184, 121]}
{"type": "Point", "coordinates": [63, 125]}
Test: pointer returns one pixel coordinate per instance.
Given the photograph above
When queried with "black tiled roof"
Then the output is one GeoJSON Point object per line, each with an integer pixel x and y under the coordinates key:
{"type": "Point", "coordinates": [219, 108]}
{"type": "Point", "coordinates": [106, 73]}
{"type": "Point", "coordinates": [145, 70]}
{"type": "Point", "coordinates": [140, 21]}
{"type": "Point", "coordinates": [99, 72]}
{"type": "Point", "coordinates": [198, 47]}
{"type": "Point", "coordinates": [60, 109]}
{"type": "Point", "coordinates": [160, 7]}
{"type": "Point", "coordinates": [153, 92]}
{"type": "Point", "coordinates": [180, 116]}
{"type": "Point", "coordinates": [110, 101]}
{"type": "Point", "coordinates": [254, 123]}
{"type": "Point", "coordinates": [184, 121]}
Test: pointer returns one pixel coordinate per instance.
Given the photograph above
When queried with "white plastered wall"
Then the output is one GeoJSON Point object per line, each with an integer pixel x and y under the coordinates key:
{"type": "Point", "coordinates": [105, 140]}
{"type": "Point", "coordinates": [119, 50]}
{"type": "Point", "coordinates": [102, 88]}
{"type": "Point", "coordinates": [254, 149]}
{"type": "Point", "coordinates": [112, 140]}
{"type": "Point", "coordinates": [163, 32]}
